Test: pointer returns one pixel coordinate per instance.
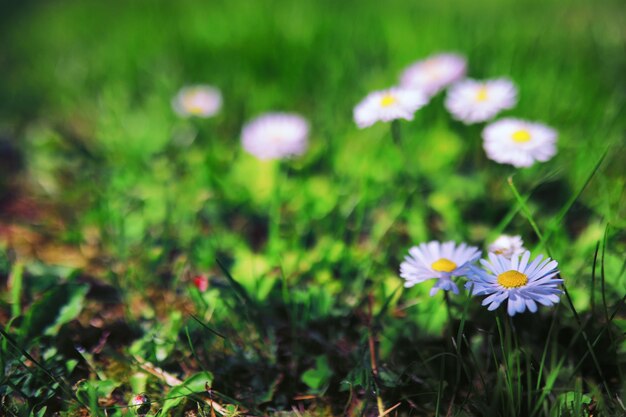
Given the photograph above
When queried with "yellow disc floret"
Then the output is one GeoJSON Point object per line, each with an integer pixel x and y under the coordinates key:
{"type": "Point", "coordinates": [481, 94]}
{"type": "Point", "coordinates": [512, 279]}
{"type": "Point", "coordinates": [521, 136]}
{"type": "Point", "coordinates": [387, 100]}
{"type": "Point", "coordinates": [443, 265]}
{"type": "Point", "coordinates": [192, 103]}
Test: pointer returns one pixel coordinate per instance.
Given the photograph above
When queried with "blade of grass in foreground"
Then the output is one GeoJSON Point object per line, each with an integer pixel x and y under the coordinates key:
{"type": "Point", "coordinates": [251, 309]}
{"type": "Point", "coordinates": [568, 205]}
{"type": "Point", "coordinates": [533, 224]}
{"type": "Point", "coordinates": [592, 297]}
{"type": "Point", "coordinates": [61, 382]}
{"type": "Point", "coordinates": [15, 280]}
{"type": "Point", "coordinates": [526, 211]}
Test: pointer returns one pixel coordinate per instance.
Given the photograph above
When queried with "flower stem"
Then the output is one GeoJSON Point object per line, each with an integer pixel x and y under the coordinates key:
{"type": "Point", "coordinates": [372, 348]}
{"type": "Point", "coordinates": [396, 134]}
{"type": "Point", "coordinates": [275, 208]}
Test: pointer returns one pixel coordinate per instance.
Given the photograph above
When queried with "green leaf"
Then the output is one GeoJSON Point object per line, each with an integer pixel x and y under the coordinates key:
{"type": "Point", "coordinates": [572, 401]}
{"type": "Point", "coordinates": [318, 377]}
{"type": "Point", "coordinates": [40, 413]}
{"type": "Point", "coordinates": [58, 307]}
{"type": "Point", "coordinates": [17, 273]}
{"type": "Point", "coordinates": [99, 388]}
{"type": "Point", "coordinates": [192, 385]}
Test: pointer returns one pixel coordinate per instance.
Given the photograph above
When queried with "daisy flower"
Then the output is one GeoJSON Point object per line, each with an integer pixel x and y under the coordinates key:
{"type": "Point", "coordinates": [386, 105]}
{"type": "Point", "coordinates": [276, 136]}
{"type": "Point", "coordinates": [472, 101]}
{"type": "Point", "coordinates": [522, 283]}
{"type": "Point", "coordinates": [434, 73]}
{"type": "Point", "coordinates": [518, 142]}
{"type": "Point", "coordinates": [507, 246]}
{"type": "Point", "coordinates": [440, 261]}
{"type": "Point", "coordinates": [197, 100]}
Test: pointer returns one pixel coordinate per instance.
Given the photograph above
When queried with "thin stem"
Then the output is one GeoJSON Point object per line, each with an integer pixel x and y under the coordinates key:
{"type": "Point", "coordinates": [275, 213]}
{"type": "Point", "coordinates": [592, 301]}
{"type": "Point", "coordinates": [372, 348]}
{"type": "Point", "coordinates": [586, 339]}
{"type": "Point", "coordinates": [396, 134]}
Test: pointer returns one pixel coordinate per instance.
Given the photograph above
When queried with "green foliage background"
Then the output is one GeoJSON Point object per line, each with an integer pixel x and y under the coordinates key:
{"type": "Point", "coordinates": [149, 200]}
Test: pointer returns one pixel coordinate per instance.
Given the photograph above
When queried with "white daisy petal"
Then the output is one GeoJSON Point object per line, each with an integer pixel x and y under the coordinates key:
{"type": "Point", "coordinates": [532, 306]}
{"type": "Point", "coordinates": [511, 307]}
{"type": "Point", "coordinates": [496, 296]}
{"type": "Point", "coordinates": [524, 261]}
{"type": "Point", "coordinates": [545, 270]}
{"type": "Point", "coordinates": [514, 262]}
{"type": "Point", "coordinates": [494, 305]}
{"type": "Point", "coordinates": [434, 290]}
{"type": "Point", "coordinates": [530, 270]}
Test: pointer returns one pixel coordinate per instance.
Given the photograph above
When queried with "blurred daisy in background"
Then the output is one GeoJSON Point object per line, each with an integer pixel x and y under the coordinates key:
{"type": "Point", "coordinates": [518, 142]}
{"type": "Point", "coordinates": [197, 100]}
{"type": "Point", "coordinates": [507, 246]}
{"type": "Point", "coordinates": [472, 101]}
{"type": "Point", "coordinates": [387, 105]}
{"type": "Point", "coordinates": [434, 73]}
{"type": "Point", "coordinates": [522, 283]}
{"type": "Point", "coordinates": [276, 136]}
{"type": "Point", "coordinates": [440, 261]}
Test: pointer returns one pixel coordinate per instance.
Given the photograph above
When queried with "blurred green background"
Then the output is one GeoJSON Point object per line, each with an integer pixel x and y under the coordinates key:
{"type": "Point", "coordinates": [101, 177]}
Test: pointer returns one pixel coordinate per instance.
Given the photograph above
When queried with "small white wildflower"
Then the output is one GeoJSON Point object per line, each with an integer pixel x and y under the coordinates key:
{"type": "Point", "coordinates": [276, 136]}
{"type": "Point", "coordinates": [434, 73]}
{"type": "Point", "coordinates": [387, 105]}
{"type": "Point", "coordinates": [518, 142]}
{"type": "Point", "coordinates": [197, 100]}
{"type": "Point", "coordinates": [472, 101]}
{"type": "Point", "coordinates": [507, 246]}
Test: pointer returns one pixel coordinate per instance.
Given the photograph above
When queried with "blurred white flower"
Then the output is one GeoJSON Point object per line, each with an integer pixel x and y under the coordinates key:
{"type": "Point", "coordinates": [518, 142]}
{"type": "Point", "coordinates": [197, 100]}
{"type": "Point", "coordinates": [276, 136]}
{"type": "Point", "coordinates": [434, 73]}
{"type": "Point", "coordinates": [472, 101]}
{"type": "Point", "coordinates": [387, 105]}
{"type": "Point", "coordinates": [507, 246]}
{"type": "Point", "coordinates": [440, 261]}
{"type": "Point", "coordinates": [522, 283]}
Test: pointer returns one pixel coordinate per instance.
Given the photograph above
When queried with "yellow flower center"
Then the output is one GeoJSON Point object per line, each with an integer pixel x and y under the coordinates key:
{"type": "Point", "coordinates": [481, 94]}
{"type": "Point", "coordinates": [443, 265]}
{"type": "Point", "coordinates": [192, 103]}
{"type": "Point", "coordinates": [512, 279]}
{"type": "Point", "coordinates": [521, 136]}
{"type": "Point", "coordinates": [387, 100]}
